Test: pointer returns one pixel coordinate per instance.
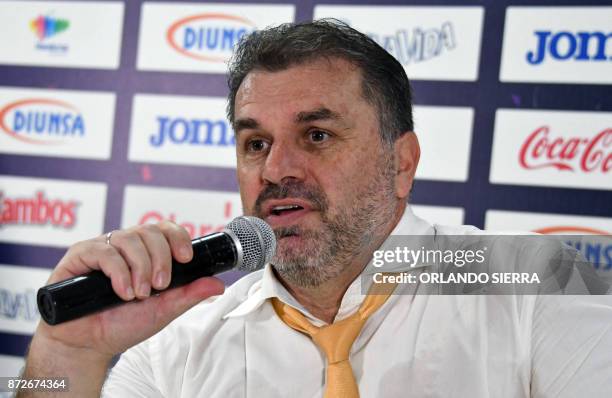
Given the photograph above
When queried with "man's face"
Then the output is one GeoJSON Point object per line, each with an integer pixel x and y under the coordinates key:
{"type": "Point", "coordinates": [311, 163]}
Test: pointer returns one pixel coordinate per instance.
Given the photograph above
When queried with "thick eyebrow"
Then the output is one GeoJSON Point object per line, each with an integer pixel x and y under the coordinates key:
{"type": "Point", "coordinates": [317, 114]}
{"type": "Point", "coordinates": [302, 117]}
{"type": "Point", "coordinates": [243, 124]}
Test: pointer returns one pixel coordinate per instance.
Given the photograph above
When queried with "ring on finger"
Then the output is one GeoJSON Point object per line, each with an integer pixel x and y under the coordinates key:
{"type": "Point", "coordinates": [108, 237]}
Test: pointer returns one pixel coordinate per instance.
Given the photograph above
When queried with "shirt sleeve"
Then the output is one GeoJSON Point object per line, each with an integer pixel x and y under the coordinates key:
{"type": "Point", "coordinates": [132, 376]}
{"type": "Point", "coordinates": [572, 346]}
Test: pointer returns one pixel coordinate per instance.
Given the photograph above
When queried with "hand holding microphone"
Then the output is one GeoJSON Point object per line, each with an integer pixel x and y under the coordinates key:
{"type": "Point", "coordinates": [247, 244]}
{"type": "Point", "coordinates": [96, 275]}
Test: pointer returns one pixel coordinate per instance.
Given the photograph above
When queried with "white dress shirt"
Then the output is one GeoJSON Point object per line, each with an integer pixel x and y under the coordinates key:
{"type": "Point", "coordinates": [415, 345]}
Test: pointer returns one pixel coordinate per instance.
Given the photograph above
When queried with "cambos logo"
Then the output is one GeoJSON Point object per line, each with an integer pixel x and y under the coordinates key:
{"type": "Point", "coordinates": [568, 46]}
{"type": "Point", "coordinates": [208, 37]}
{"type": "Point", "coordinates": [596, 249]}
{"type": "Point", "coordinates": [37, 210]}
{"type": "Point", "coordinates": [420, 44]}
{"type": "Point", "coordinates": [45, 27]}
{"type": "Point", "coordinates": [542, 149]}
{"type": "Point", "coordinates": [41, 121]}
{"type": "Point", "coordinates": [182, 131]}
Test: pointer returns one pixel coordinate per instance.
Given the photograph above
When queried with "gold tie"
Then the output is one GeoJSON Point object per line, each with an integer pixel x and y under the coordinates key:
{"type": "Point", "coordinates": [336, 339]}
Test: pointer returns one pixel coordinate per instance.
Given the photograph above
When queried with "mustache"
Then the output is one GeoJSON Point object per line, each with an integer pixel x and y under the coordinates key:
{"type": "Point", "coordinates": [292, 189]}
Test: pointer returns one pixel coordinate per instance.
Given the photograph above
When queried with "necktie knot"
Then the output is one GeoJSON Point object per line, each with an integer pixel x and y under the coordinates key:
{"type": "Point", "coordinates": [335, 340]}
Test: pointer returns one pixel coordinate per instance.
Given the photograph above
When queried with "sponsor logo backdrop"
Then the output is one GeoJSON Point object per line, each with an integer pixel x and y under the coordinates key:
{"type": "Point", "coordinates": [112, 113]}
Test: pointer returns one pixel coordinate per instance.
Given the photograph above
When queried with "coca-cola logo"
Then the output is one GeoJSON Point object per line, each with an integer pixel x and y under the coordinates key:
{"type": "Point", "coordinates": [590, 155]}
{"type": "Point", "coordinates": [37, 210]}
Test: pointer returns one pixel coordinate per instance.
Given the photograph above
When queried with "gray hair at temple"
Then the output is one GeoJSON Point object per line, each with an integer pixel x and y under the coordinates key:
{"type": "Point", "coordinates": [385, 84]}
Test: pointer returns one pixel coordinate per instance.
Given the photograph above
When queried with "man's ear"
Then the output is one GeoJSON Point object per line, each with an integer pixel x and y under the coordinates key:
{"type": "Point", "coordinates": [407, 154]}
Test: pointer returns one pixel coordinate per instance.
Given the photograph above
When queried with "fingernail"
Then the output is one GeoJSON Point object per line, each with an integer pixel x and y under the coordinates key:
{"type": "Point", "coordinates": [130, 293]}
{"type": "Point", "coordinates": [160, 278]}
{"type": "Point", "coordinates": [144, 289]}
{"type": "Point", "coordinates": [185, 253]}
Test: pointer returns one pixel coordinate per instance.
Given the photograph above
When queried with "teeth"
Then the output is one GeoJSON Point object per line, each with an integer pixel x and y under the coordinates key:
{"type": "Point", "coordinates": [287, 207]}
{"type": "Point", "coordinates": [276, 210]}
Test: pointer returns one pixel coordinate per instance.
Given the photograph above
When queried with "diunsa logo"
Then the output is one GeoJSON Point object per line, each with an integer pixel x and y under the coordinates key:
{"type": "Point", "coordinates": [208, 37]}
{"type": "Point", "coordinates": [41, 121]}
{"type": "Point", "coordinates": [596, 249]}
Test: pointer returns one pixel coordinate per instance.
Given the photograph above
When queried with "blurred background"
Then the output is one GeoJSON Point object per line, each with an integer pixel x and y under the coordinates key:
{"type": "Point", "coordinates": [113, 114]}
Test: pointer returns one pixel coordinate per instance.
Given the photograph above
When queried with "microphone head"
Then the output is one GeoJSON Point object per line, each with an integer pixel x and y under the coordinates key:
{"type": "Point", "coordinates": [256, 239]}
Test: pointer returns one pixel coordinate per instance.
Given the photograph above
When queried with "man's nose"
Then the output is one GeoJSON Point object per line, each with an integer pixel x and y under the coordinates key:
{"type": "Point", "coordinates": [285, 160]}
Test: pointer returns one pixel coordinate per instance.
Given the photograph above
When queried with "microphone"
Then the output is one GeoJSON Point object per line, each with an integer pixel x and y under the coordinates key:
{"type": "Point", "coordinates": [247, 244]}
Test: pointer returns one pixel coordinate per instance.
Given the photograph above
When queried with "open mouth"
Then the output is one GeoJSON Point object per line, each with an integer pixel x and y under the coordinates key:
{"type": "Point", "coordinates": [285, 209]}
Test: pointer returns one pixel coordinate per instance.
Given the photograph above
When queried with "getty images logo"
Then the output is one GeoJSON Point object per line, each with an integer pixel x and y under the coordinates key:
{"type": "Point", "coordinates": [579, 46]}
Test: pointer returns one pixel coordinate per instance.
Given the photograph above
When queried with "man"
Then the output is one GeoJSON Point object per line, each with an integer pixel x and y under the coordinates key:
{"type": "Point", "coordinates": [327, 156]}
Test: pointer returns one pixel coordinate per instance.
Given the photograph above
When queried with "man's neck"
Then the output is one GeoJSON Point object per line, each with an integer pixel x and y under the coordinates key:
{"type": "Point", "coordinates": [323, 301]}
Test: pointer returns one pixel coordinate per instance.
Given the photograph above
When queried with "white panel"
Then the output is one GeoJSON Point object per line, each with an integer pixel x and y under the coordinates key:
{"type": "Point", "coordinates": [552, 148]}
{"type": "Point", "coordinates": [591, 235]}
{"type": "Point", "coordinates": [445, 137]}
{"type": "Point", "coordinates": [58, 123]}
{"type": "Point", "coordinates": [557, 45]}
{"type": "Point", "coordinates": [200, 212]}
{"type": "Point", "coordinates": [433, 43]}
{"type": "Point", "coordinates": [10, 366]}
{"type": "Point", "coordinates": [193, 37]}
{"type": "Point", "coordinates": [18, 287]}
{"type": "Point", "coordinates": [61, 33]}
{"type": "Point", "coordinates": [181, 130]}
{"type": "Point", "coordinates": [50, 212]}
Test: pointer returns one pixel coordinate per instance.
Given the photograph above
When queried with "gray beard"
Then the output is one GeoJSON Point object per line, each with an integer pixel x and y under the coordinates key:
{"type": "Point", "coordinates": [330, 251]}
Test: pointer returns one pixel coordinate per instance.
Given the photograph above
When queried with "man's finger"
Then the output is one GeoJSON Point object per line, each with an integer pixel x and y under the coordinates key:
{"type": "Point", "coordinates": [179, 240]}
{"type": "Point", "coordinates": [95, 255]}
{"type": "Point", "coordinates": [133, 250]}
{"type": "Point", "coordinates": [159, 252]}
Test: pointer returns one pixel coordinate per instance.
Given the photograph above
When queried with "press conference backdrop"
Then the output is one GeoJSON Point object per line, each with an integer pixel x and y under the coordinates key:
{"type": "Point", "coordinates": [112, 114]}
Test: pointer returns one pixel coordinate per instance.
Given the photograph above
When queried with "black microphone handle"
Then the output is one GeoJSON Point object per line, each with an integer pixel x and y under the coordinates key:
{"type": "Point", "coordinates": [84, 295]}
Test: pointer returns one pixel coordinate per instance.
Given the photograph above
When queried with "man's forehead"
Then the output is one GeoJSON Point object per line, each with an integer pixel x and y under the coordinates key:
{"type": "Point", "coordinates": [315, 90]}
{"type": "Point", "coordinates": [321, 75]}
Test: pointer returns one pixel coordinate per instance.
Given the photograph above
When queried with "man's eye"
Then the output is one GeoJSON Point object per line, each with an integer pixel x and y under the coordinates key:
{"type": "Point", "coordinates": [256, 146]}
{"type": "Point", "coordinates": [318, 135]}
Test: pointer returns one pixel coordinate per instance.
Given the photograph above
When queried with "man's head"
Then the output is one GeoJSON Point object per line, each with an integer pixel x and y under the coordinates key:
{"type": "Point", "coordinates": [320, 153]}
{"type": "Point", "coordinates": [384, 85]}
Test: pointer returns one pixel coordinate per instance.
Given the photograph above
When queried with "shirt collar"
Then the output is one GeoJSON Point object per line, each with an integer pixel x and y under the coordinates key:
{"type": "Point", "coordinates": [269, 286]}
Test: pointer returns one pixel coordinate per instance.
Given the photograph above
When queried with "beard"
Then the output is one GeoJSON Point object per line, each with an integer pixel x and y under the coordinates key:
{"type": "Point", "coordinates": [324, 253]}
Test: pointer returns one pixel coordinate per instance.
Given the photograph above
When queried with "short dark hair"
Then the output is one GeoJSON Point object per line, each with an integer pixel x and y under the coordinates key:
{"type": "Point", "coordinates": [385, 84]}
